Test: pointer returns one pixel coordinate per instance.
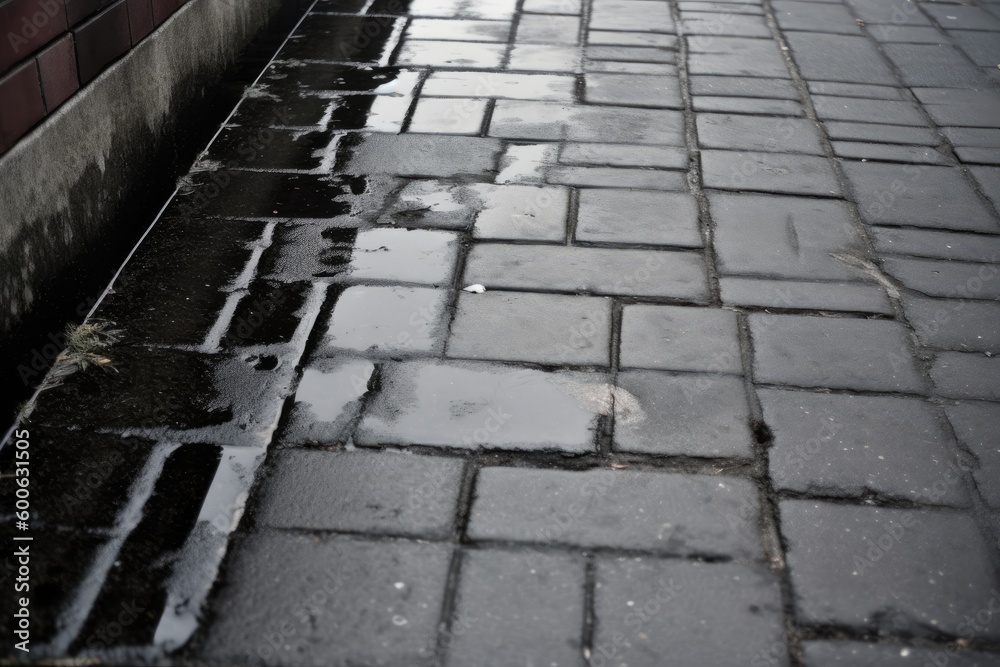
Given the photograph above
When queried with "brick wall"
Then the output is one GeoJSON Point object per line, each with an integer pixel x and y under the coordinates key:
{"type": "Point", "coordinates": [50, 48]}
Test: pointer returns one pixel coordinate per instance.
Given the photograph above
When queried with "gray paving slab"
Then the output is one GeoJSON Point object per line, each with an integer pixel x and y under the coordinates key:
{"type": "Point", "coordinates": [851, 59]}
{"type": "Point", "coordinates": [747, 105]}
{"type": "Point", "coordinates": [769, 172]}
{"type": "Point", "coordinates": [736, 56]}
{"type": "Point", "coordinates": [890, 12]}
{"type": "Point", "coordinates": [429, 156]}
{"type": "Point", "coordinates": [662, 512]}
{"type": "Point", "coordinates": [630, 53]}
{"type": "Point", "coordinates": [929, 243]}
{"type": "Point", "coordinates": [859, 654]}
{"type": "Point", "coordinates": [638, 89]}
{"type": "Point", "coordinates": [735, 86]}
{"type": "Point", "coordinates": [815, 17]}
{"type": "Point", "coordinates": [680, 338]}
{"type": "Point", "coordinates": [975, 426]}
{"type": "Point", "coordinates": [646, 609]}
{"type": "Point", "coordinates": [514, 119]}
{"type": "Point", "coordinates": [327, 400]}
{"type": "Point", "coordinates": [934, 65]}
{"type": "Point", "coordinates": [946, 278]}
{"type": "Point", "coordinates": [736, 25]}
{"type": "Point", "coordinates": [858, 150]}
{"type": "Point", "coordinates": [947, 324]}
{"type": "Point", "coordinates": [751, 133]}
{"type": "Point", "coordinates": [907, 34]}
{"type": "Point", "coordinates": [624, 155]}
{"type": "Point", "coordinates": [988, 179]}
{"type": "Point", "coordinates": [784, 237]}
{"type": "Point", "coordinates": [539, 328]}
{"type": "Point", "coordinates": [388, 320]}
{"type": "Point", "coordinates": [490, 626]}
{"type": "Point", "coordinates": [800, 294]}
{"type": "Point", "coordinates": [980, 47]}
{"type": "Point", "coordinates": [685, 414]}
{"type": "Point", "coordinates": [966, 375]}
{"type": "Point", "coordinates": [893, 112]}
{"type": "Point", "coordinates": [396, 587]}
{"type": "Point", "coordinates": [923, 571]}
{"type": "Point", "coordinates": [963, 18]}
{"type": "Point", "coordinates": [965, 108]}
{"type": "Point", "coordinates": [616, 177]}
{"type": "Point", "coordinates": [458, 404]}
{"type": "Point", "coordinates": [920, 196]}
{"type": "Point", "coordinates": [849, 446]}
{"type": "Point", "coordinates": [859, 90]}
{"type": "Point", "coordinates": [522, 212]}
{"type": "Point", "coordinates": [362, 492]}
{"type": "Point", "coordinates": [649, 218]}
{"type": "Point", "coordinates": [831, 352]}
{"type": "Point", "coordinates": [628, 272]}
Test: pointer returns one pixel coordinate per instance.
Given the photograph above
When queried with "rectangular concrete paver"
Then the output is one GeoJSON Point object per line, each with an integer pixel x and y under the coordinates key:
{"type": "Point", "coordinates": [697, 613]}
{"type": "Point", "coordinates": [844, 353]}
{"type": "Point", "coordinates": [489, 626]}
{"type": "Point", "coordinates": [606, 271]}
{"type": "Point", "coordinates": [680, 339]}
{"type": "Point", "coordinates": [540, 328]}
{"type": "Point", "coordinates": [855, 566]}
{"type": "Point", "coordinates": [484, 405]}
{"type": "Point", "coordinates": [363, 492]}
{"type": "Point", "coordinates": [684, 414]}
{"type": "Point", "coordinates": [396, 588]}
{"type": "Point", "coordinates": [650, 511]}
{"type": "Point", "coordinates": [843, 445]}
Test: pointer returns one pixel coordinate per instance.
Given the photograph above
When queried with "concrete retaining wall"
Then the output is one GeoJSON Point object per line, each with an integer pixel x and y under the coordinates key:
{"type": "Point", "coordinates": [73, 179]}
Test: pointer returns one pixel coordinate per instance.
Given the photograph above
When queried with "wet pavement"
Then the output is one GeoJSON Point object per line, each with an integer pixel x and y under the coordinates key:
{"type": "Point", "coordinates": [730, 395]}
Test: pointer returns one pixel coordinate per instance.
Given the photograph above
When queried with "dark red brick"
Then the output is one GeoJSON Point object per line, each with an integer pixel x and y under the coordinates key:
{"type": "Point", "coordinates": [21, 103]}
{"type": "Point", "coordinates": [57, 68]}
{"type": "Point", "coordinates": [26, 26]}
{"type": "Point", "coordinates": [101, 40]}
{"type": "Point", "coordinates": [78, 11]}
{"type": "Point", "coordinates": [140, 19]}
{"type": "Point", "coordinates": [162, 9]}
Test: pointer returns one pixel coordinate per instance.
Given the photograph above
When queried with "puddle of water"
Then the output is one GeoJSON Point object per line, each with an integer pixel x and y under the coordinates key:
{"type": "Point", "coordinates": [388, 319]}
{"type": "Point", "coordinates": [360, 39]}
{"type": "Point", "coordinates": [417, 256]}
{"type": "Point", "coordinates": [327, 400]}
{"type": "Point", "coordinates": [175, 284]}
{"type": "Point", "coordinates": [422, 155]}
{"type": "Point", "coordinates": [430, 195]}
{"type": "Point", "coordinates": [198, 562]}
{"type": "Point", "coordinates": [86, 477]}
{"type": "Point", "coordinates": [133, 592]}
{"type": "Point", "coordinates": [258, 194]}
{"type": "Point", "coordinates": [388, 113]}
{"type": "Point", "coordinates": [328, 393]}
{"type": "Point", "coordinates": [485, 405]}
{"type": "Point", "coordinates": [433, 204]}
{"type": "Point", "coordinates": [267, 314]}
{"type": "Point", "coordinates": [526, 163]}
